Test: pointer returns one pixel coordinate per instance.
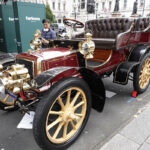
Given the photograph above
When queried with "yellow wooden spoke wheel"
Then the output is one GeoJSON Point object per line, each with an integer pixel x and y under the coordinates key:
{"type": "Point", "coordinates": [141, 78]}
{"type": "Point", "coordinates": [145, 74]}
{"type": "Point", "coordinates": [62, 114]}
{"type": "Point", "coordinates": [67, 115]}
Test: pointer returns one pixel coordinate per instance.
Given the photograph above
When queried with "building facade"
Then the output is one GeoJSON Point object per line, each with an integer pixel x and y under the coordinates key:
{"type": "Point", "coordinates": [80, 9]}
{"type": "Point", "coordinates": [106, 7]}
{"type": "Point", "coordinates": [61, 9]}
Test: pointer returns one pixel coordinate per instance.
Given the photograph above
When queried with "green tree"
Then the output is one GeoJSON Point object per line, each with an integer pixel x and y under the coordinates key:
{"type": "Point", "coordinates": [49, 14]}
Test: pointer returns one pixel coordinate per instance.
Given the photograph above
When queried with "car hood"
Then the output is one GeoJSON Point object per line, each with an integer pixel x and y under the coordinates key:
{"type": "Point", "coordinates": [46, 54]}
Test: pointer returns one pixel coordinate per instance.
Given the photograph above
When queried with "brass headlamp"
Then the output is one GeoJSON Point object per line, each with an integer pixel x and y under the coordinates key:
{"type": "Point", "coordinates": [36, 43]}
{"type": "Point", "coordinates": [87, 47]}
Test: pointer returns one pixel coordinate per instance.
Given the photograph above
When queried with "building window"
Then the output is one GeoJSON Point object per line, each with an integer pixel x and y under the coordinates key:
{"type": "Point", "coordinates": [59, 20]}
{"type": "Point", "coordinates": [74, 1]}
{"type": "Point", "coordinates": [79, 8]}
{"type": "Point", "coordinates": [74, 9]}
{"type": "Point", "coordinates": [58, 6]}
{"type": "Point", "coordinates": [82, 4]}
{"type": "Point", "coordinates": [141, 3]}
{"type": "Point", "coordinates": [53, 5]}
{"type": "Point", "coordinates": [125, 4]}
{"type": "Point", "coordinates": [97, 6]}
{"type": "Point", "coordinates": [110, 3]}
{"type": "Point", "coordinates": [64, 7]}
{"type": "Point", "coordinates": [103, 6]}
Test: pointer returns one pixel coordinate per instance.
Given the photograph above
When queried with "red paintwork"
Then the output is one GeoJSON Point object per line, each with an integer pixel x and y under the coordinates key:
{"type": "Point", "coordinates": [48, 62]}
{"type": "Point", "coordinates": [57, 57]}
{"type": "Point", "coordinates": [69, 73]}
{"type": "Point", "coordinates": [51, 58]}
{"type": "Point", "coordinates": [140, 37]}
{"type": "Point", "coordinates": [133, 38]}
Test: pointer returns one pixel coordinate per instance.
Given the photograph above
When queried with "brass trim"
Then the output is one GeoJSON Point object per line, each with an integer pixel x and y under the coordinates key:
{"type": "Point", "coordinates": [33, 63]}
{"type": "Point", "coordinates": [39, 66]}
{"type": "Point", "coordinates": [112, 66]}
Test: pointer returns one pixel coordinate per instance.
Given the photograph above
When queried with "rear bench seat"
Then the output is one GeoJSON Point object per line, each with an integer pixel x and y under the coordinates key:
{"type": "Point", "coordinates": [141, 24]}
{"type": "Point", "coordinates": [105, 31]}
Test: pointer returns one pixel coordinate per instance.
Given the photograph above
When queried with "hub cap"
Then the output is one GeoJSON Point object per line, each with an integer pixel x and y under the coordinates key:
{"type": "Point", "coordinates": [66, 115]}
{"type": "Point", "coordinates": [145, 74]}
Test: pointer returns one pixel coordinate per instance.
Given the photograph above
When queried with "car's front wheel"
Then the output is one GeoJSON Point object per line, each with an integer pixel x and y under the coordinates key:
{"type": "Point", "coordinates": [62, 114]}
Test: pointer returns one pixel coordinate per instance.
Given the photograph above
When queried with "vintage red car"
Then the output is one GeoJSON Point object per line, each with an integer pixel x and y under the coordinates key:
{"type": "Point", "coordinates": [63, 82]}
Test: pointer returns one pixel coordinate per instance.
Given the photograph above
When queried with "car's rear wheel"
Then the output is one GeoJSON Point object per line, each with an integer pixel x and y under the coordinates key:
{"type": "Point", "coordinates": [62, 114]}
{"type": "Point", "coordinates": [141, 78]}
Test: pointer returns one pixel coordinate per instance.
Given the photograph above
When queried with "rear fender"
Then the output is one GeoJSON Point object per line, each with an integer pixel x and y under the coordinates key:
{"type": "Point", "coordinates": [138, 53]}
{"type": "Point", "coordinates": [123, 70]}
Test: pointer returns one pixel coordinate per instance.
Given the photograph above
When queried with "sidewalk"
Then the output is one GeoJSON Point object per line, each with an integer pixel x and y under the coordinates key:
{"type": "Point", "coordinates": [134, 136]}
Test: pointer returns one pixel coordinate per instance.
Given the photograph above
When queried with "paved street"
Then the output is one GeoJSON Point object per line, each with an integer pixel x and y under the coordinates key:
{"type": "Point", "coordinates": [120, 109]}
{"type": "Point", "coordinates": [135, 135]}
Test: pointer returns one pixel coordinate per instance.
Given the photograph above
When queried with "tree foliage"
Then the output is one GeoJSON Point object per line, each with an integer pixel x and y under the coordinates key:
{"type": "Point", "coordinates": [49, 14]}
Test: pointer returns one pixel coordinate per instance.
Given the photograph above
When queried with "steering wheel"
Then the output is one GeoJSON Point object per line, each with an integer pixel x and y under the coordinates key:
{"type": "Point", "coordinates": [73, 23]}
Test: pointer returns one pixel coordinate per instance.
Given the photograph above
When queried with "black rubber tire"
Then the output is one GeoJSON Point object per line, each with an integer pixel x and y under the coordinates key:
{"type": "Point", "coordinates": [43, 108]}
{"type": "Point", "coordinates": [137, 74]}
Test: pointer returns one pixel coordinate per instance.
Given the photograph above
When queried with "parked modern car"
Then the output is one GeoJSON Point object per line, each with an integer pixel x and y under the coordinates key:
{"type": "Point", "coordinates": [58, 27]}
{"type": "Point", "coordinates": [62, 83]}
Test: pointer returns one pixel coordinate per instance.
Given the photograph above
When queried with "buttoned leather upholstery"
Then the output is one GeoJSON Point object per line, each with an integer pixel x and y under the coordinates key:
{"type": "Point", "coordinates": [106, 30]}
{"type": "Point", "coordinates": [141, 24]}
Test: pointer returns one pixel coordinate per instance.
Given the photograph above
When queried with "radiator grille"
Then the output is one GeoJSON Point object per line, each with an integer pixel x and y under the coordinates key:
{"type": "Point", "coordinates": [28, 64]}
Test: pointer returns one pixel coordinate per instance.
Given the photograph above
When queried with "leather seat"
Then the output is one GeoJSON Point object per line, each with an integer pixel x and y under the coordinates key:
{"type": "Point", "coordinates": [141, 23]}
{"type": "Point", "coordinates": [105, 31]}
{"type": "Point", "coordinates": [104, 43]}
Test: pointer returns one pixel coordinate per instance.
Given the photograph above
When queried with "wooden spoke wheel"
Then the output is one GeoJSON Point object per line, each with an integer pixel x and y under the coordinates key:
{"type": "Point", "coordinates": [141, 78]}
{"type": "Point", "coordinates": [62, 114]}
{"type": "Point", "coordinates": [7, 101]}
{"type": "Point", "coordinates": [145, 74]}
{"type": "Point", "coordinates": [67, 115]}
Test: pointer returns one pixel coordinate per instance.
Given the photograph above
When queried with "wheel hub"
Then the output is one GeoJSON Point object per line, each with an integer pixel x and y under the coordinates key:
{"type": "Point", "coordinates": [69, 115]}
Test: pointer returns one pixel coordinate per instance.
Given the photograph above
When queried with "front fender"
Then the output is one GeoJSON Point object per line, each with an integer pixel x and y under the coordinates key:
{"type": "Point", "coordinates": [7, 58]}
{"type": "Point", "coordinates": [55, 74]}
{"type": "Point", "coordinates": [91, 78]}
{"type": "Point", "coordinates": [97, 88]}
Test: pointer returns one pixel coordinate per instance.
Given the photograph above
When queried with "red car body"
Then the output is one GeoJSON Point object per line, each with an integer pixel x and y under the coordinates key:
{"type": "Point", "coordinates": [63, 71]}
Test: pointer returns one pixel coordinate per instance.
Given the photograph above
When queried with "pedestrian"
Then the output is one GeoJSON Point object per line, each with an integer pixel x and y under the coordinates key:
{"type": "Point", "coordinates": [47, 33]}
